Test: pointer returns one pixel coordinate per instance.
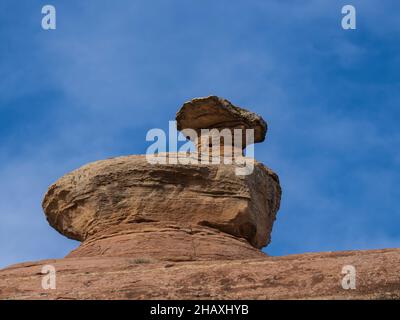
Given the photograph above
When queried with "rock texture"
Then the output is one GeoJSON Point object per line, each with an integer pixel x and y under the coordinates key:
{"type": "Point", "coordinates": [215, 112]}
{"type": "Point", "coordinates": [126, 206]}
{"type": "Point", "coordinates": [306, 276]}
{"type": "Point", "coordinates": [186, 231]}
{"type": "Point", "coordinates": [212, 122]}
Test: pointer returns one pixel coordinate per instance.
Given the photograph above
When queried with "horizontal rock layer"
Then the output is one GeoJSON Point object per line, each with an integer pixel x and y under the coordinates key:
{"type": "Point", "coordinates": [130, 195]}
{"type": "Point", "coordinates": [306, 276]}
{"type": "Point", "coordinates": [166, 242]}
{"type": "Point", "coordinates": [215, 112]}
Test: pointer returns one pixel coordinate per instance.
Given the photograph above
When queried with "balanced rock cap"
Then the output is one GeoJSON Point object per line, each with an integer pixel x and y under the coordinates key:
{"type": "Point", "coordinates": [215, 112]}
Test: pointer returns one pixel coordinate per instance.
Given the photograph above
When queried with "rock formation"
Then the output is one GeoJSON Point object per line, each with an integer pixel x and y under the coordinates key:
{"type": "Point", "coordinates": [186, 231]}
{"type": "Point", "coordinates": [217, 113]}
{"type": "Point", "coordinates": [214, 112]}
{"type": "Point", "coordinates": [127, 206]}
{"type": "Point", "coordinates": [305, 276]}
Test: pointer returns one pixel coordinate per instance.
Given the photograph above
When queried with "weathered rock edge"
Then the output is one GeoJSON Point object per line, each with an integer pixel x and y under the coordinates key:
{"type": "Point", "coordinates": [305, 276]}
{"type": "Point", "coordinates": [127, 195]}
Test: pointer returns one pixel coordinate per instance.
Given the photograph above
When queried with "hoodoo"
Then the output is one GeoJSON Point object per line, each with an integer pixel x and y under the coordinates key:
{"type": "Point", "coordinates": [129, 207]}
{"type": "Point", "coordinates": [187, 231]}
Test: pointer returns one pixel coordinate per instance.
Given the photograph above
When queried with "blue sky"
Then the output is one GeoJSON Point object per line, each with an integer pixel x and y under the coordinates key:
{"type": "Point", "coordinates": [115, 69]}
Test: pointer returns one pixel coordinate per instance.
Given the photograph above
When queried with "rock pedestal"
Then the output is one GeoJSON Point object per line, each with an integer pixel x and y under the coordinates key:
{"type": "Point", "coordinates": [127, 206]}
{"type": "Point", "coordinates": [219, 115]}
{"type": "Point", "coordinates": [186, 231]}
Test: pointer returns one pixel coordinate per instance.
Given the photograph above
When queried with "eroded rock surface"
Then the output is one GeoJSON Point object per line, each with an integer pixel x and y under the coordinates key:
{"type": "Point", "coordinates": [218, 113]}
{"type": "Point", "coordinates": [186, 231]}
{"type": "Point", "coordinates": [305, 276]}
{"type": "Point", "coordinates": [129, 198]}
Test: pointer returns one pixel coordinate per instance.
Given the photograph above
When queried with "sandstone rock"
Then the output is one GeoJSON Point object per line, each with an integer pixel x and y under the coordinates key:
{"type": "Point", "coordinates": [166, 242]}
{"type": "Point", "coordinates": [138, 203]}
{"type": "Point", "coordinates": [130, 207]}
{"type": "Point", "coordinates": [305, 276]}
{"type": "Point", "coordinates": [217, 113]}
{"type": "Point", "coordinates": [193, 231]}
